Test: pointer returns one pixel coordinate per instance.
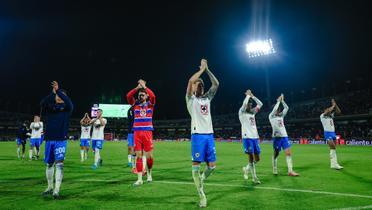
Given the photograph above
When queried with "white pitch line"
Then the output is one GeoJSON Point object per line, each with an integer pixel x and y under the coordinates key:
{"type": "Point", "coordinates": [356, 208]}
{"type": "Point", "coordinates": [245, 186]}
{"type": "Point", "coordinates": [273, 188]}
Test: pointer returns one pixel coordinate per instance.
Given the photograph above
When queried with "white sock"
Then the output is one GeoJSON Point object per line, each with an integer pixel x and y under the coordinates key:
{"type": "Point", "coordinates": [82, 154]}
{"type": "Point", "coordinates": [19, 152]}
{"type": "Point", "coordinates": [275, 162]}
{"type": "Point", "coordinates": [129, 158]}
{"type": "Point", "coordinates": [59, 176]}
{"type": "Point", "coordinates": [144, 162]}
{"type": "Point", "coordinates": [139, 175]}
{"type": "Point", "coordinates": [333, 156]}
{"type": "Point", "coordinates": [196, 177]}
{"type": "Point", "coordinates": [133, 161]}
{"type": "Point", "coordinates": [86, 154]}
{"type": "Point", "coordinates": [248, 167]}
{"type": "Point", "coordinates": [50, 175]}
{"type": "Point", "coordinates": [208, 171]}
{"type": "Point", "coordinates": [30, 154]}
{"type": "Point", "coordinates": [289, 163]}
{"type": "Point", "coordinates": [253, 170]}
{"type": "Point", "coordinates": [96, 157]}
{"type": "Point", "coordinates": [38, 152]}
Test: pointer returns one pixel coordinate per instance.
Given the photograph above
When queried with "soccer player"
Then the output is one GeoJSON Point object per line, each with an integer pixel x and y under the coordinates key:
{"type": "Point", "coordinates": [280, 137]}
{"type": "Point", "coordinates": [22, 136]}
{"type": "Point", "coordinates": [202, 140]}
{"type": "Point", "coordinates": [85, 137]}
{"type": "Point", "coordinates": [249, 133]}
{"type": "Point", "coordinates": [99, 124]}
{"type": "Point", "coordinates": [143, 109]}
{"type": "Point", "coordinates": [131, 154]}
{"type": "Point", "coordinates": [329, 132]}
{"type": "Point", "coordinates": [57, 108]}
{"type": "Point", "coordinates": [35, 140]}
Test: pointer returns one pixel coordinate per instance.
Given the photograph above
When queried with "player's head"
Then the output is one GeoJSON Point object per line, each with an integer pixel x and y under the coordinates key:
{"type": "Point", "coordinates": [249, 105]}
{"type": "Point", "coordinates": [279, 110]}
{"type": "Point", "coordinates": [99, 113]}
{"type": "Point", "coordinates": [198, 87]}
{"type": "Point", "coordinates": [36, 118]}
{"type": "Point", "coordinates": [25, 123]}
{"type": "Point", "coordinates": [58, 99]}
{"type": "Point", "coordinates": [142, 95]}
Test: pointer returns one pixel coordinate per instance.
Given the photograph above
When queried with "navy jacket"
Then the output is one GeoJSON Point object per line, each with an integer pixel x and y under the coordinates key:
{"type": "Point", "coordinates": [130, 120]}
{"type": "Point", "coordinates": [22, 132]}
{"type": "Point", "coordinates": [57, 116]}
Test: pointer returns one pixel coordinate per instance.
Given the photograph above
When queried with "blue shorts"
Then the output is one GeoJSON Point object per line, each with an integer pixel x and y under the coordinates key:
{"type": "Point", "coordinates": [19, 141]}
{"type": "Point", "coordinates": [280, 143]}
{"type": "Point", "coordinates": [84, 142]}
{"type": "Point", "coordinates": [41, 140]}
{"type": "Point", "coordinates": [55, 151]}
{"type": "Point", "coordinates": [130, 140]}
{"type": "Point", "coordinates": [251, 146]}
{"type": "Point", "coordinates": [203, 148]}
{"type": "Point", "coordinates": [97, 143]}
{"type": "Point", "coordinates": [329, 136]}
{"type": "Point", "coordinates": [35, 142]}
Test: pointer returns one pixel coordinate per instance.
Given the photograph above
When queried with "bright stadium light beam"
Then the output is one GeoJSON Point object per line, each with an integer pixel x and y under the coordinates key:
{"type": "Point", "coordinates": [260, 48]}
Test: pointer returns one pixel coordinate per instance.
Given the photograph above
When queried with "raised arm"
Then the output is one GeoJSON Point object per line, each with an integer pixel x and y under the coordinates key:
{"type": "Point", "coordinates": [259, 104]}
{"type": "Point", "coordinates": [245, 103]}
{"type": "Point", "coordinates": [152, 96]}
{"type": "Point", "coordinates": [102, 121]}
{"type": "Point", "coordinates": [331, 108]}
{"type": "Point", "coordinates": [68, 103]}
{"type": "Point", "coordinates": [215, 83]}
{"type": "Point", "coordinates": [286, 108]}
{"type": "Point", "coordinates": [195, 77]}
{"type": "Point", "coordinates": [337, 109]}
{"type": "Point", "coordinates": [272, 113]}
{"type": "Point", "coordinates": [130, 96]}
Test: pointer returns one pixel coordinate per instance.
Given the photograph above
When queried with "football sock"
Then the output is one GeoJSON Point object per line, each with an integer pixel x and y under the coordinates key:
{"type": "Point", "coordinates": [30, 154]}
{"type": "Point", "coordinates": [59, 176]}
{"type": "Point", "coordinates": [289, 163]}
{"type": "Point", "coordinates": [253, 170]}
{"type": "Point", "coordinates": [129, 158]}
{"type": "Point", "coordinates": [82, 154]}
{"type": "Point", "coordinates": [208, 171]}
{"type": "Point", "coordinates": [96, 157]}
{"type": "Point", "coordinates": [50, 175]}
{"type": "Point", "coordinates": [196, 177]}
{"type": "Point", "coordinates": [19, 152]}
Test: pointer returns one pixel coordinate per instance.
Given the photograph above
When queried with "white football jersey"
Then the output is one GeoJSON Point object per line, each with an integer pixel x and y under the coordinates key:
{"type": "Point", "coordinates": [277, 122]}
{"type": "Point", "coordinates": [37, 129]}
{"type": "Point", "coordinates": [85, 132]}
{"type": "Point", "coordinates": [247, 119]}
{"type": "Point", "coordinates": [327, 122]}
{"type": "Point", "coordinates": [200, 111]}
{"type": "Point", "coordinates": [98, 130]}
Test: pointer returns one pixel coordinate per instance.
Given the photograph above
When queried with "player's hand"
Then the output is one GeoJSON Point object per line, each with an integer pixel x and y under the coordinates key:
{"type": "Point", "coordinates": [55, 86]}
{"type": "Point", "coordinates": [248, 93]}
{"type": "Point", "coordinates": [333, 102]}
{"type": "Point", "coordinates": [203, 64]}
{"type": "Point", "coordinates": [142, 83]}
{"type": "Point", "coordinates": [282, 95]}
{"type": "Point", "coordinates": [279, 98]}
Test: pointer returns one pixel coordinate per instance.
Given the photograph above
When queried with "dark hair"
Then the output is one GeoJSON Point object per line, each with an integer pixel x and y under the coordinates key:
{"type": "Point", "coordinates": [100, 110]}
{"type": "Point", "coordinates": [141, 90]}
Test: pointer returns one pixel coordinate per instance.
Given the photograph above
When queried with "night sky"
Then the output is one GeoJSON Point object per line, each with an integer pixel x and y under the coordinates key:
{"type": "Point", "coordinates": [98, 50]}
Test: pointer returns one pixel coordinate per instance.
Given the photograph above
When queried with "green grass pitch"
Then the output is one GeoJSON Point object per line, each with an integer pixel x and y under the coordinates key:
{"type": "Point", "coordinates": [109, 187]}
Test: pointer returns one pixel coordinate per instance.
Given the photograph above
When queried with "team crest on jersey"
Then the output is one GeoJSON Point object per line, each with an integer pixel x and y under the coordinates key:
{"type": "Point", "coordinates": [143, 112]}
{"type": "Point", "coordinates": [204, 109]}
{"type": "Point", "coordinates": [197, 155]}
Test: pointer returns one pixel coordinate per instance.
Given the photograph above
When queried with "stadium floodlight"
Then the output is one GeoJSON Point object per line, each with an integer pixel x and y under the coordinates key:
{"type": "Point", "coordinates": [260, 48]}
